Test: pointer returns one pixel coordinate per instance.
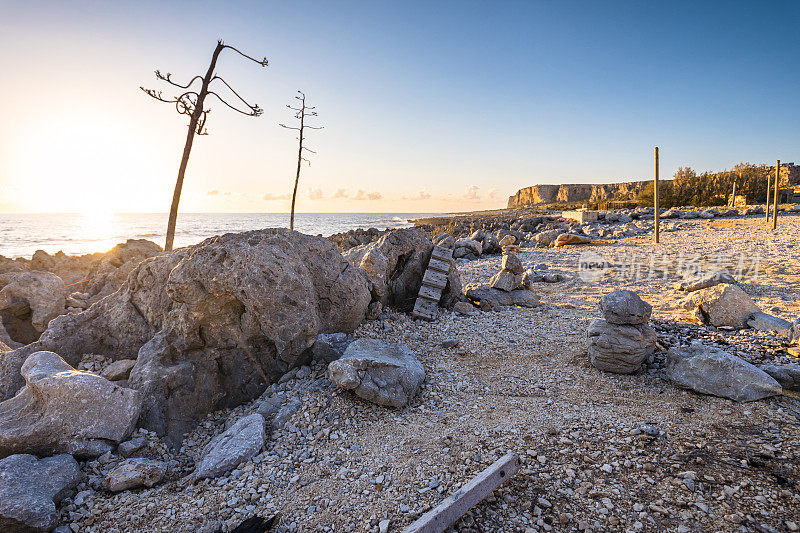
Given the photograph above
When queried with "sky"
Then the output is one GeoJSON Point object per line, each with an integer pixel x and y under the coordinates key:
{"type": "Point", "coordinates": [426, 106]}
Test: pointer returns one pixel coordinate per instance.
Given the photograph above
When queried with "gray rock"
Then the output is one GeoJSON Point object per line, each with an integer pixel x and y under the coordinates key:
{"type": "Point", "coordinates": [472, 246]}
{"type": "Point", "coordinates": [506, 281]}
{"type": "Point", "coordinates": [712, 371]}
{"type": "Point", "coordinates": [722, 305]}
{"type": "Point", "coordinates": [512, 263]}
{"type": "Point", "coordinates": [134, 473]}
{"type": "Point", "coordinates": [450, 343]}
{"type": "Point", "coordinates": [698, 283]}
{"type": "Point", "coordinates": [765, 322]}
{"type": "Point", "coordinates": [489, 297]}
{"type": "Point", "coordinates": [619, 348]}
{"type": "Point", "coordinates": [787, 375]}
{"type": "Point", "coordinates": [62, 410]}
{"type": "Point", "coordinates": [464, 308]}
{"type": "Point", "coordinates": [30, 488]}
{"type": "Point", "coordinates": [29, 301]}
{"type": "Point", "coordinates": [566, 239]}
{"type": "Point", "coordinates": [794, 335]}
{"type": "Point", "coordinates": [130, 447]}
{"type": "Point", "coordinates": [625, 307]}
{"type": "Point", "coordinates": [545, 238]}
{"type": "Point", "coordinates": [269, 407]}
{"type": "Point", "coordinates": [330, 346]}
{"type": "Point", "coordinates": [382, 373]}
{"type": "Point", "coordinates": [286, 412]}
{"type": "Point", "coordinates": [445, 240]}
{"type": "Point", "coordinates": [241, 442]}
{"type": "Point", "coordinates": [118, 370]}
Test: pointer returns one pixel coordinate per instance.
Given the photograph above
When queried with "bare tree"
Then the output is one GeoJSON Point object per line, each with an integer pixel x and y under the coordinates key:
{"type": "Point", "coordinates": [191, 103]}
{"type": "Point", "coordinates": [300, 114]}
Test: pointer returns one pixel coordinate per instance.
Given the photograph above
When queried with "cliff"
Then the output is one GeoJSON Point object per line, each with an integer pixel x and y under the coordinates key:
{"type": "Point", "coordinates": [581, 192]}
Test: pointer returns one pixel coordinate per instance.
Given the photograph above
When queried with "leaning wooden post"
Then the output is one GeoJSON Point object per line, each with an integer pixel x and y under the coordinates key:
{"type": "Point", "coordinates": [655, 198]}
{"type": "Point", "coordinates": [769, 189]}
{"type": "Point", "coordinates": [775, 207]}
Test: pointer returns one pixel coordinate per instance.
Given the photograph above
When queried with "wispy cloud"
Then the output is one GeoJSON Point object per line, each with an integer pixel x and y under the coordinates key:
{"type": "Point", "coordinates": [271, 196]}
{"type": "Point", "coordinates": [361, 194]}
{"type": "Point", "coordinates": [421, 195]}
{"type": "Point", "coordinates": [493, 193]}
{"type": "Point", "coordinates": [314, 193]}
{"type": "Point", "coordinates": [341, 193]}
{"type": "Point", "coordinates": [213, 193]}
{"type": "Point", "coordinates": [471, 193]}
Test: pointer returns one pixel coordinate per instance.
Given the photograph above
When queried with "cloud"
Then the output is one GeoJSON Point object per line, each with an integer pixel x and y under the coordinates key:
{"type": "Point", "coordinates": [314, 193]}
{"type": "Point", "coordinates": [341, 193]}
{"type": "Point", "coordinates": [212, 193]}
{"type": "Point", "coordinates": [471, 193]}
{"type": "Point", "coordinates": [493, 193]}
{"type": "Point", "coordinates": [361, 194]}
{"type": "Point", "coordinates": [271, 196]}
{"type": "Point", "coordinates": [421, 195]}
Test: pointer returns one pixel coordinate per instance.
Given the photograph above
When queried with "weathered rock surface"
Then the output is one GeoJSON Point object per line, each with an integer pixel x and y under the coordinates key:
{"type": "Point", "coordinates": [546, 238]}
{"type": "Point", "coordinates": [396, 264]}
{"type": "Point", "coordinates": [240, 442]}
{"type": "Point", "coordinates": [765, 322]}
{"type": "Point", "coordinates": [134, 473]}
{"type": "Point", "coordinates": [29, 301]}
{"type": "Point", "coordinates": [488, 297]}
{"type": "Point", "coordinates": [712, 371]}
{"type": "Point", "coordinates": [698, 283]}
{"type": "Point", "coordinates": [506, 281]}
{"type": "Point", "coordinates": [382, 373]}
{"type": "Point", "coordinates": [330, 346]}
{"type": "Point", "coordinates": [794, 334]}
{"type": "Point", "coordinates": [625, 307]}
{"type": "Point", "coordinates": [619, 348]}
{"type": "Point", "coordinates": [465, 308]}
{"type": "Point", "coordinates": [212, 325]}
{"type": "Point", "coordinates": [30, 488]}
{"type": "Point", "coordinates": [787, 375]}
{"type": "Point", "coordinates": [61, 409]}
{"type": "Point", "coordinates": [722, 305]}
{"type": "Point", "coordinates": [467, 249]}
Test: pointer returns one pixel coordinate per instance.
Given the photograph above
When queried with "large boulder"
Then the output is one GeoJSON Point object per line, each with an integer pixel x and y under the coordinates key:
{"type": "Point", "coordinates": [722, 305]}
{"type": "Point", "coordinates": [787, 375]}
{"type": "Point", "coordinates": [30, 488]}
{"type": "Point", "coordinates": [396, 264]}
{"type": "Point", "coordinates": [382, 373]}
{"type": "Point", "coordinates": [566, 239]}
{"type": "Point", "coordinates": [212, 325]}
{"type": "Point", "coordinates": [546, 238]}
{"type": "Point", "coordinates": [29, 301]}
{"type": "Point", "coordinates": [467, 249]}
{"type": "Point", "coordinates": [63, 410]}
{"type": "Point", "coordinates": [241, 442]}
{"type": "Point", "coordinates": [625, 307]}
{"type": "Point", "coordinates": [766, 322]}
{"type": "Point", "coordinates": [713, 371]}
{"type": "Point", "coordinates": [619, 348]}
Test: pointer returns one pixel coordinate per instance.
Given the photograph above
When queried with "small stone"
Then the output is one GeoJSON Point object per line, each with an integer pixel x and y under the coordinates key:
{"type": "Point", "coordinates": [134, 473]}
{"type": "Point", "coordinates": [450, 343]}
{"type": "Point", "coordinates": [464, 308]}
{"type": "Point", "coordinates": [383, 526]}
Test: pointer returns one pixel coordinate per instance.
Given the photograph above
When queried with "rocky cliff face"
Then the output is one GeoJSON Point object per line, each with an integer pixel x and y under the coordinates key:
{"type": "Point", "coordinates": [584, 192]}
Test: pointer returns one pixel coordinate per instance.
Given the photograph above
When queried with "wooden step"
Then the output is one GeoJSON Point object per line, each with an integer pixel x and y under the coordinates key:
{"type": "Point", "coordinates": [439, 264]}
{"type": "Point", "coordinates": [425, 308]}
{"type": "Point", "coordinates": [445, 254]}
{"type": "Point", "coordinates": [434, 278]}
{"type": "Point", "coordinates": [431, 293]}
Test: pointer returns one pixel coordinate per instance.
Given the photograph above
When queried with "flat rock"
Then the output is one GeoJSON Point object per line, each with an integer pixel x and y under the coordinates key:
{"type": "Point", "coordinates": [464, 308]}
{"type": "Point", "coordinates": [30, 488]}
{"type": "Point", "coordinates": [134, 473]}
{"type": "Point", "coordinates": [766, 322]}
{"type": "Point", "coordinates": [63, 410]}
{"type": "Point", "coordinates": [787, 375]}
{"type": "Point", "coordinates": [506, 281]}
{"type": "Point", "coordinates": [722, 305]}
{"type": "Point", "coordinates": [130, 447]}
{"type": "Point", "coordinates": [698, 283]}
{"type": "Point", "coordinates": [566, 239]}
{"type": "Point", "coordinates": [239, 443]}
{"type": "Point", "coordinates": [625, 307]}
{"type": "Point", "coordinates": [387, 374]}
{"type": "Point", "coordinates": [619, 348]}
{"type": "Point", "coordinates": [330, 346]}
{"type": "Point", "coordinates": [713, 371]}
{"type": "Point", "coordinates": [489, 297]}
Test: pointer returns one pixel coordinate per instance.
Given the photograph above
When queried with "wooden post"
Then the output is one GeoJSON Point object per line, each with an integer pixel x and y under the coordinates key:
{"type": "Point", "coordinates": [775, 207]}
{"type": "Point", "coordinates": [454, 506]}
{"type": "Point", "coordinates": [769, 189]}
{"type": "Point", "coordinates": [657, 218]}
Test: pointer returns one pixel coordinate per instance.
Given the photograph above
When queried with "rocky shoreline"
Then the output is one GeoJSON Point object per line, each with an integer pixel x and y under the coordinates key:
{"type": "Point", "coordinates": [266, 373]}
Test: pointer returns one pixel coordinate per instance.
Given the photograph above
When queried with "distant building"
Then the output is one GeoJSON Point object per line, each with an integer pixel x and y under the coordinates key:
{"type": "Point", "coordinates": [789, 196]}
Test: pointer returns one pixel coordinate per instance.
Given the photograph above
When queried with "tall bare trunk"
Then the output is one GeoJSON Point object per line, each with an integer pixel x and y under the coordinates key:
{"type": "Point", "coordinates": [299, 162]}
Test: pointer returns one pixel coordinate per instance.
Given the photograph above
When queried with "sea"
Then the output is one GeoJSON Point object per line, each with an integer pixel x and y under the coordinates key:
{"type": "Point", "coordinates": [80, 233]}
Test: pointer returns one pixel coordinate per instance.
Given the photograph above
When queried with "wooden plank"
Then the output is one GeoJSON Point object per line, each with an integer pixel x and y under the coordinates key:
{"type": "Point", "coordinates": [424, 308]}
{"type": "Point", "coordinates": [454, 506]}
{"type": "Point", "coordinates": [439, 264]}
{"type": "Point", "coordinates": [431, 293]}
{"type": "Point", "coordinates": [434, 278]}
{"type": "Point", "coordinates": [445, 254]}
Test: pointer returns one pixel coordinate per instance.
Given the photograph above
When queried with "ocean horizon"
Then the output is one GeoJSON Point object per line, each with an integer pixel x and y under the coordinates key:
{"type": "Point", "coordinates": [21, 234]}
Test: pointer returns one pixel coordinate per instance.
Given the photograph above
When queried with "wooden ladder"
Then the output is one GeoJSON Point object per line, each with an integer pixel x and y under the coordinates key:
{"type": "Point", "coordinates": [433, 283]}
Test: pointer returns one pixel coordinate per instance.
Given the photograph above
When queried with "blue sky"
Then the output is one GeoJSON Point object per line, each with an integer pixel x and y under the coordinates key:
{"type": "Point", "coordinates": [427, 106]}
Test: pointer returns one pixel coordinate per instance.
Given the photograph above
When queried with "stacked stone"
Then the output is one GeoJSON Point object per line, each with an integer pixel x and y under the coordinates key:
{"type": "Point", "coordinates": [621, 340]}
{"type": "Point", "coordinates": [512, 273]}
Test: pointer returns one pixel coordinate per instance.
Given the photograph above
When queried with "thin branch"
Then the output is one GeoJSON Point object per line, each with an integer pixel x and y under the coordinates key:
{"type": "Point", "coordinates": [168, 80]}
{"type": "Point", "coordinates": [309, 149]}
{"type": "Point", "coordinates": [251, 106]}
{"type": "Point", "coordinates": [255, 111]}
{"type": "Point", "coordinates": [314, 127]}
{"type": "Point", "coordinates": [157, 95]}
{"type": "Point", "coordinates": [264, 62]}
{"type": "Point", "coordinates": [288, 127]}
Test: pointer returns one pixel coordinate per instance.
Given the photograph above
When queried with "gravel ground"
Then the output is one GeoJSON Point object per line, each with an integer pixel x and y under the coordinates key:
{"type": "Point", "coordinates": [600, 452]}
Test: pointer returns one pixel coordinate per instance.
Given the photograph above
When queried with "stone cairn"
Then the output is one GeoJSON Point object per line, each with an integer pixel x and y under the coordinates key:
{"type": "Point", "coordinates": [621, 340]}
{"type": "Point", "coordinates": [512, 273]}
